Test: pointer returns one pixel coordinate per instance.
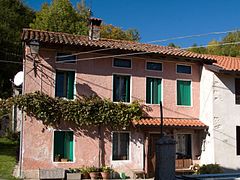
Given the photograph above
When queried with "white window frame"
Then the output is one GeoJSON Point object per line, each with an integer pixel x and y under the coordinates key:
{"type": "Point", "coordinates": [75, 82]}
{"type": "Point", "coordinates": [191, 93]}
{"type": "Point", "coordinates": [130, 148]}
{"type": "Point", "coordinates": [130, 93]}
{"type": "Point", "coordinates": [153, 62]}
{"type": "Point", "coordinates": [184, 65]}
{"type": "Point", "coordinates": [52, 153]}
{"type": "Point", "coordinates": [122, 59]}
{"type": "Point", "coordinates": [157, 77]}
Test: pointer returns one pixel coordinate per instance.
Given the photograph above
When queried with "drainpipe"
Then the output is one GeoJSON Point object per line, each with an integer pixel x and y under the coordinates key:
{"type": "Point", "coordinates": [21, 127]}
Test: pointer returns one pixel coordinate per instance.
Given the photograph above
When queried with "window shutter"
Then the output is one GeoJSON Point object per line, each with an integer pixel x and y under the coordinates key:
{"type": "Point", "coordinates": [127, 90]}
{"type": "Point", "coordinates": [148, 91]}
{"type": "Point", "coordinates": [59, 85]}
{"type": "Point", "coordinates": [70, 84]}
{"type": "Point", "coordinates": [58, 143]}
{"type": "Point", "coordinates": [184, 93]}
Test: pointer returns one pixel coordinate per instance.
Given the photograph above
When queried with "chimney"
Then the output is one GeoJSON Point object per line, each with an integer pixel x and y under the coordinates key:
{"type": "Point", "coordinates": [94, 30]}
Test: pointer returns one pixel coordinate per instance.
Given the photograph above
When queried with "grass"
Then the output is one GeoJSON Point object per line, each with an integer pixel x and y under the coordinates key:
{"type": "Point", "coordinates": [8, 153]}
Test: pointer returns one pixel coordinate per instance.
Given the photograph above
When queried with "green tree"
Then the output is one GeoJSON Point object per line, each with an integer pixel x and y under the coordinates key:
{"type": "Point", "coordinates": [222, 47]}
{"type": "Point", "coordinates": [173, 45]}
{"type": "Point", "coordinates": [14, 16]}
{"type": "Point", "coordinates": [61, 16]}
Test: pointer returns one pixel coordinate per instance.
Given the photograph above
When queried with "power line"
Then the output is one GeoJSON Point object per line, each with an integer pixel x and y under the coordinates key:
{"type": "Point", "coordinates": [191, 36]}
{"type": "Point", "coordinates": [161, 40]}
{"type": "Point", "coordinates": [140, 53]}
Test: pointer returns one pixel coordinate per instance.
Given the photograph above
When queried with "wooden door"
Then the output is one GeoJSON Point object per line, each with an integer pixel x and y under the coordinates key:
{"type": "Point", "coordinates": [152, 154]}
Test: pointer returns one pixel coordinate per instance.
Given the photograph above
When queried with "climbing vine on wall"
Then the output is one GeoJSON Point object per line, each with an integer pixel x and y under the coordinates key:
{"type": "Point", "coordinates": [84, 111]}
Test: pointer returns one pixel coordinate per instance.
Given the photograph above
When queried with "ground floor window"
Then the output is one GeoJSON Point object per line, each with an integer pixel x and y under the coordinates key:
{"type": "Point", "coordinates": [184, 146]}
{"type": "Point", "coordinates": [120, 146]}
{"type": "Point", "coordinates": [63, 146]}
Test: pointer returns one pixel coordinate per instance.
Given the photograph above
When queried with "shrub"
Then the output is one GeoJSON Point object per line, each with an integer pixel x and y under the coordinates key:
{"type": "Point", "coordinates": [210, 169]}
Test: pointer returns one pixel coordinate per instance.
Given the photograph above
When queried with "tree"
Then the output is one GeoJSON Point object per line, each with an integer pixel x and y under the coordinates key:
{"type": "Point", "coordinates": [222, 47]}
{"type": "Point", "coordinates": [173, 45]}
{"type": "Point", "coordinates": [112, 32]}
{"type": "Point", "coordinates": [14, 16]}
{"type": "Point", "coordinates": [61, 16]}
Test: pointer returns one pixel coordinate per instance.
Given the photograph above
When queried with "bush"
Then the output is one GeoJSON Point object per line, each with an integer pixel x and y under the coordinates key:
{"type": "Point", "coordinates": [210, 169]}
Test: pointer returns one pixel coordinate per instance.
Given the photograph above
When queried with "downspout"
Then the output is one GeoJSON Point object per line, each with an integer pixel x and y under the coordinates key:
{"type": "Point", "coordinates": [21, 127]}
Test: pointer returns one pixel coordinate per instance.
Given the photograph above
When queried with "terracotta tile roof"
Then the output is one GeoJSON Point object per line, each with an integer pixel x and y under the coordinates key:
{"type": "Point", "coordinates": [175, 122]}
{"type": "Point", "coordinates": [226, 62]}
{"type": "Point", "coordinates": [78, 40]}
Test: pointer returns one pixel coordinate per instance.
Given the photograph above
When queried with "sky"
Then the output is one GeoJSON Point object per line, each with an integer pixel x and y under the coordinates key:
{"type": "Point", "coordinates": [164, 19]}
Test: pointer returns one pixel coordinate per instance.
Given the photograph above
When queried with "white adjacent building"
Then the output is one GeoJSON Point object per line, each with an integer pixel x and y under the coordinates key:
{"type": "Point", "coordinates": [220, 110]}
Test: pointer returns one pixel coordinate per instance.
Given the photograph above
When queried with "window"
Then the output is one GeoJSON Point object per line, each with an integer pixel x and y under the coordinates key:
{"type": "Point", "coordinates": [121, 88]}
{"type": "Point", "coordinates": [66, 58]}
{"type": "Point", "coordinates": [237, 91]}
{"type": "Point", "coordinates": [238, 139]}
{"type": "Point", "coordinates": [126, 63]}
{"type": "Point", "coordinates": [154, 66]}
{"type": "Point", "coordinates": [64, 84]}
{"type": "Point", "coordinates": [184, 146]}
{"type": "Point", "coordinates": [153, 91]}
{"type": "Point", "coordinates": [120, 146]}
{"type": "Point", "coordinates": [183, 93]}
{"type": "Point", "coordinates": [63, 145]}
{"type": "Point", "coordinates": [184, 69]}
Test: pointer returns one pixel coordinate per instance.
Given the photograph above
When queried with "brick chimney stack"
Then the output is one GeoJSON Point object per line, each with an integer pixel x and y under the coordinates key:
{"type": "Point", "coordinates": [94, 30]}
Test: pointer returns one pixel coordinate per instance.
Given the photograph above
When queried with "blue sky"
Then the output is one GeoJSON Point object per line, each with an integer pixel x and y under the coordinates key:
{"type": "Point", "coordinates": [162, 19]}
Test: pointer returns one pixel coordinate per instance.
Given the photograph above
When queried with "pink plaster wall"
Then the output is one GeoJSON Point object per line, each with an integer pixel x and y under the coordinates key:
{"type": "Point", "coordinates": [96, 76]}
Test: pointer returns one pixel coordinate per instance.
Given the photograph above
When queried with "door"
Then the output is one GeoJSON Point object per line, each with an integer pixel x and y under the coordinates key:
{"type": "Point", "coordinates": [152, 154]}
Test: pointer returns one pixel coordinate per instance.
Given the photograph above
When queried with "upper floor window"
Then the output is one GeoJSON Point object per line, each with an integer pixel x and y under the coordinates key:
{"type": "Point", "coordinates": [63, 146]}
{"type": "Point", "coordinates": [183, 93]}
{"type": "Point", "coordinates": [120, 146]}
{"type": "Point", "coordinates": [125, 63]}
{"type": "Point", "coordinates": [154, 66]}
{"type": "Point", "coordinates": [64, 86]}
{"type": "Point", "coordinates": [153, 90]}
{"type": "Point", "coordinates": [184, 69]}
{"type": "Point", "coordinates": [121, 88]}
{"type": "Point", "coordinates": [66, 58]}
{"type": "Point", "coordinates": [237, 91]}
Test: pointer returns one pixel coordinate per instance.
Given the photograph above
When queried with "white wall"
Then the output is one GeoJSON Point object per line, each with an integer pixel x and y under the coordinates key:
{"type": "Point", "coordinates": [226, 118]}
{"type": "Point", "coordinates": [206, 115]}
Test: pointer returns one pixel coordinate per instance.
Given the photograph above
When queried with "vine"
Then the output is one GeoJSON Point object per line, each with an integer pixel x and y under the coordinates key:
{"type": "Point", "coordinates": [84, 111]}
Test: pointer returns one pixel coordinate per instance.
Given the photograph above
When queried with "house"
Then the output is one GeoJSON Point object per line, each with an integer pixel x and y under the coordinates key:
{"type": "Point", "coordinates": [69, 66]}
{"type": "Point", "coordinates": [220, 111]}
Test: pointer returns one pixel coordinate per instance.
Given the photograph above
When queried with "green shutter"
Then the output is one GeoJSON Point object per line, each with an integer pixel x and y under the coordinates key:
{"type": "Point", "coordinates": [184, 93]}
{"type": "Point", "coordinates": [70, 84]}
{"type": "Point", "coordinates": [127, 85]}
{"type": "Point", "coordinates": [153, 91]}
{"type": "Point", "coordinates": [58, 143]}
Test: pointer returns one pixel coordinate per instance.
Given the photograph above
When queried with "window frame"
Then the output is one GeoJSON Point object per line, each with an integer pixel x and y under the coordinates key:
{"type": "Point", "coordinates": [129, 148]}
{"type": "Point", "coordinates": [183, 65]}
{"type": "Point", "coordinates": [66, 52]}
{"type": "Point", "coordinates": [156, 77]}
{"type": "Point", "coordinates": [74, 84]}
{"type": "Point", "coordinates": [52, 154]}
{"type": "Point", "coordinates": [153, 62]}
{"type": "Point", "coordinates": [122, 59]}
{"type": "Point", "coordinates": [191, 94]}
{"type": "Point", "coordinates": [130, 91]}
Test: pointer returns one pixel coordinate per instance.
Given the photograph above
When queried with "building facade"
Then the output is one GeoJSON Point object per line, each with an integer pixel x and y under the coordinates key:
{"type": "Point", "coordinates": [70, 66]}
